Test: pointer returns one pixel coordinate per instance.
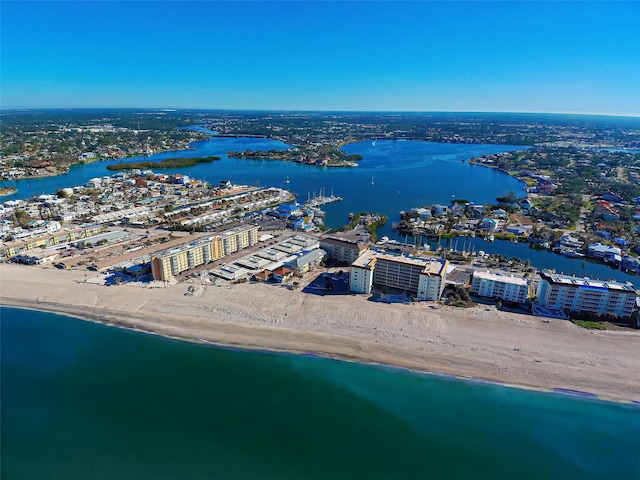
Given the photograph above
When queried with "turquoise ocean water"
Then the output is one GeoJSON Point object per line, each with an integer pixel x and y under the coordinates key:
{"type": "Point", "coordinates": [82, 400]}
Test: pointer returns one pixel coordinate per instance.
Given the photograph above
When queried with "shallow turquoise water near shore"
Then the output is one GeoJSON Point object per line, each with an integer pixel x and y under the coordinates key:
{"type": "Point", "coordinates": [82, 400]}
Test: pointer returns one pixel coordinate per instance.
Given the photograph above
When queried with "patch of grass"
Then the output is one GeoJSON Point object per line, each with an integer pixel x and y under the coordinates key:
{"type": "Point", "coordinates": [589, 325]}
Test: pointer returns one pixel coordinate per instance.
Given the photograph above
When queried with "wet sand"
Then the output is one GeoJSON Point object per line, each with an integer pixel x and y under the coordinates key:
{"type": "Point", "coordinates": [480, 342]}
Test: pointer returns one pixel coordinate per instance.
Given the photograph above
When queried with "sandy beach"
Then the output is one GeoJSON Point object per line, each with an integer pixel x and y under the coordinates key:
{"type": "Point", "coordinates": [480, 342]}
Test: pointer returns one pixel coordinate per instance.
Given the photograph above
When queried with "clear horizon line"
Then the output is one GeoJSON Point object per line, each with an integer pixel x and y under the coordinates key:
{"type": "Point", "coordinates": [292, 110]}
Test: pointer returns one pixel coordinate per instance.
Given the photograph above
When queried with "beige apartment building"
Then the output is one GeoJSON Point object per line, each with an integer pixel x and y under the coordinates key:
{"type": "Point", "coordinates": [170, 263]}
{"type": "Point", "coordinates": [424, 277]}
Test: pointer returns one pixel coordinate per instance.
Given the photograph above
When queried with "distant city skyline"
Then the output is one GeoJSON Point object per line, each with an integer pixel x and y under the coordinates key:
{"type": "Point", "coordinates": [568, 57]}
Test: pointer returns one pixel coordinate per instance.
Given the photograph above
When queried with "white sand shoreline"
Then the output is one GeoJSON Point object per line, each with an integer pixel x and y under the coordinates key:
{"type": "Point", "coordinates": [480, 343]}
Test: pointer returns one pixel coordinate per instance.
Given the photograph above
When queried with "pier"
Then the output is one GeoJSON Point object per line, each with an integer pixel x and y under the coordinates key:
{"type": "Point", "coordinates": [321, 199]}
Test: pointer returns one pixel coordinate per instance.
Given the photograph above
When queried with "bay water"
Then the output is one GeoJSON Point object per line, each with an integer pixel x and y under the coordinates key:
{"type": "Point", "coordinates": [393, 176]}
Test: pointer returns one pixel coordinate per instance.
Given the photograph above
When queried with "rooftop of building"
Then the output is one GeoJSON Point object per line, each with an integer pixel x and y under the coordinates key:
{"type": "Point", "coordinates": [585, 282]}
{"type": "Point", "coordinates": [430, 266]}
{"type": "Point", "coordinates": [186, 246]}
{"type": "Point", "coordinates": [496, 277]}
{"type": "Point", "coordinates": [352, 238]}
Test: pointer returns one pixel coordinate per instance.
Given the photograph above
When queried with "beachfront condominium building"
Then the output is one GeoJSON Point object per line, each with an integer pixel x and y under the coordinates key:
{"type": "Point", "coordinates": [584, 295]}
{"type": "Point", "coordinates": [342, 250]}
{"type": "Point", "coordinates": [500, 287]}
{"type": "Point", "coordinates": [172, 262]}
{"type": "Point", "coordinates": [238, 238]}
{"type": "Point", "coordinates": [423, 277]}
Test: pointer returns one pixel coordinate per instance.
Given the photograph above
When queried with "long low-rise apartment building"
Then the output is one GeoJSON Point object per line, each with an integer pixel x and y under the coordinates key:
{"type": "Point", "coordinates": [500, 287]}
{"type": "Point", "coordinates": [170, 263]}
{"type": "Point", "coordinates": [238, 238]}
{"type": "Point", "coordinates": [67, 235]}
{"type": "Point", "coordinates": [584, 295]}
{"type": "Point", "coordinates": [424, 277]}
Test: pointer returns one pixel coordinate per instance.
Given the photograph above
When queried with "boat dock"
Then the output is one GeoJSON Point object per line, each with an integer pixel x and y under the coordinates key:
{"type": "Point", "coordinates": [322, 199]}
{"type": "Point", "coordinates": [316, 202]}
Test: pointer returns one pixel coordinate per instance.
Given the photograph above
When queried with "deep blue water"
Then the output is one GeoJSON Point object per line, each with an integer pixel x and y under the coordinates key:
{"type": "Point", "coordinates": [82, 400]}
{"type": "Point", "coordinates": [405, 174]}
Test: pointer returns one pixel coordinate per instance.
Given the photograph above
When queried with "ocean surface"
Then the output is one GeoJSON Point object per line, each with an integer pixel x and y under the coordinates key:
{"type": "Point", "coordinates": [83, 400]}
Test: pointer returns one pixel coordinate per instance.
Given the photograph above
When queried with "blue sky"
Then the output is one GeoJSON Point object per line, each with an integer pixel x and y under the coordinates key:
{"type": "Point", "coordinates": [575, 57]}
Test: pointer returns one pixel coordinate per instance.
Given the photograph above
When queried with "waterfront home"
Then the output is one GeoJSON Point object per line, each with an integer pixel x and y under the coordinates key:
{"type": "Point", "coordinates": [458, 209]}
{"type": "Point", "coordinates": [568, 241]}
{"type": "Point", "coordinates": [422, 213]}
{"type": "Point", "coordinates": [440, 209]}
{"type": "Point", "coordinates": [520, 230]}
{"type": "Point", "coordinates": [489, 224]}
{"type": "Point", "coordinates": [597, 250]}
{"type": "Point", "coordinates": [630, 263]}
{"type": "Point", "coordinates": [94, 183]}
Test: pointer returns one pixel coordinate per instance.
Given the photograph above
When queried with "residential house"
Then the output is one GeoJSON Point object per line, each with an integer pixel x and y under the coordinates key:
{"type": "Point", "coordinates": [282, 274]}
{"type": "Point", "coordinates": [489, 224]}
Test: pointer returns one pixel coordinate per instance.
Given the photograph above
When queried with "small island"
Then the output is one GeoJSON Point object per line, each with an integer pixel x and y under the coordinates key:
{"type": "Point", "coordinates": [329, 158]}
{"type": "Point", "coordinates": [168, 163]}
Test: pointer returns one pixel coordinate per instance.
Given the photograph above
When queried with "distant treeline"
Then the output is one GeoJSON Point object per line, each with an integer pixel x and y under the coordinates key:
{"type": "Point", "coordinates": [168, 163]}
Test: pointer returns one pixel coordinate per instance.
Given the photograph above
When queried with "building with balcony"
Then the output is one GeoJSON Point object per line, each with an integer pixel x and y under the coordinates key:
{"type": "Point", "coordinates": [500, 287]}
{"type": "Point", "coordinates": [342, 250]}
{"type": "Point", "coordinates": [422, 277]}
{"type": "Point", "coordinates": [238, 238]}
{"type": "Point", "coordinates": [584, 295]}
{"type": "Point", "coordinates": [172, 262]}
